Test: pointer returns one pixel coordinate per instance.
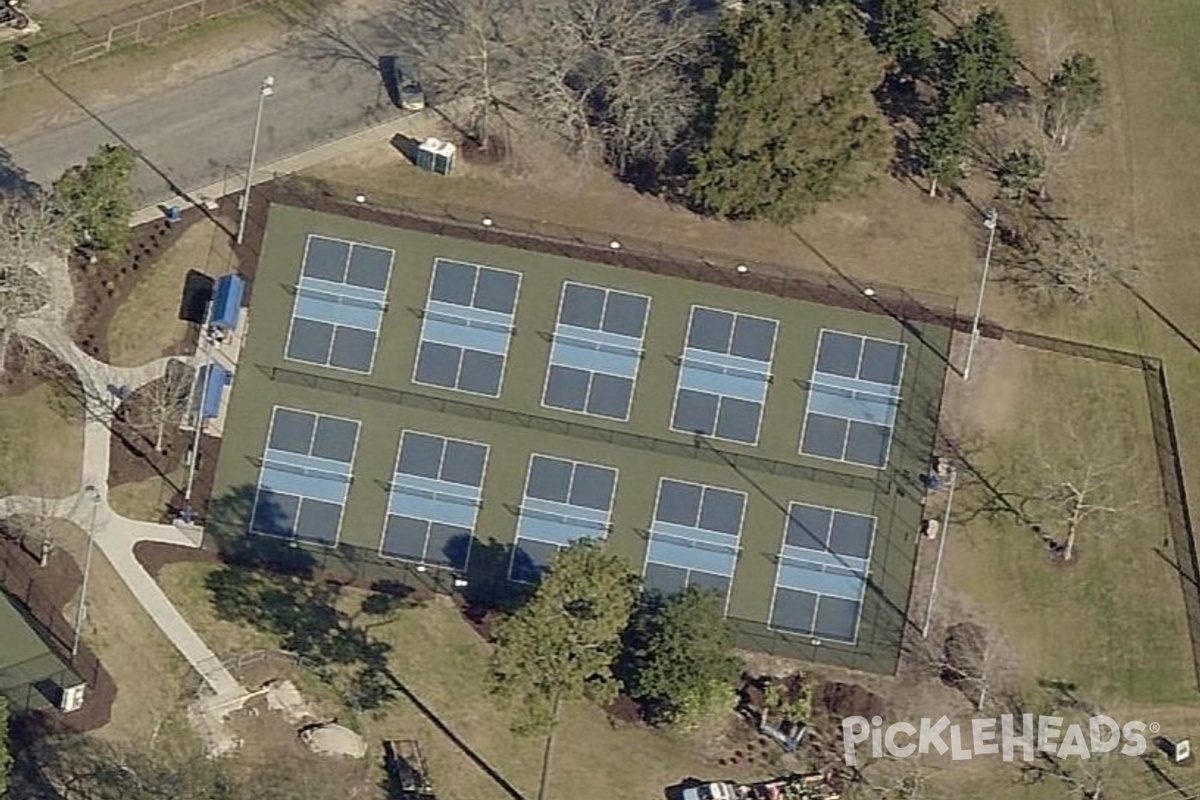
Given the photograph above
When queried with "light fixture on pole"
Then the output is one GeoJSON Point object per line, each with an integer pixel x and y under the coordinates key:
{"type": "Point", "coordinates": [265, 90]}
{"type": "Point", "coordinates": [989, 222]}
{"type": "Point", "coordinates": [81, 607]}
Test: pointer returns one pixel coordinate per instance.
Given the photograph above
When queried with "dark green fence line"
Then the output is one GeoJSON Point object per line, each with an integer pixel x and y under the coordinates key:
{"type": "Point", "coordinates": [1170, 465]}
{"type": "Point", "coordinates": [1068, 347]}
{"type": "Point", "coordinates": [901, 304]}
{"type": "Point", "coordinates": [702, 450]}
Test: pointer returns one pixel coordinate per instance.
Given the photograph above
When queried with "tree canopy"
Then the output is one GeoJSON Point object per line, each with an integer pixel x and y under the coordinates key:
{"type": "Point", "coordinates": [978, 62]}
{"type": "Point", "coordinates": [905, 31]}
{"type": "Point", "coordinates": [98, 197]}
{"type": "Point", "coordinates": [562, 643]}
{"type": "Point", "coordinates": [5, 755]}
{"type": "Point", "coordinates": [1073, 98]}
{"type": "Point", "coordinates": [686, 671]}
{"type": "Point", "coordinates": [790, 120]}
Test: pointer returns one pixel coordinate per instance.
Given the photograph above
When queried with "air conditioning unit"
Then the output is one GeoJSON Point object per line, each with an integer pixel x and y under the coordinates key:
{"type": "Point", "coordinates": [72, 697]}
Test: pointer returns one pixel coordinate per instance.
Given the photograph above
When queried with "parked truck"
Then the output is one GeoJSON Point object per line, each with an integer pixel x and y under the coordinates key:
{"type": "Point", "coordinates": [814, 786]}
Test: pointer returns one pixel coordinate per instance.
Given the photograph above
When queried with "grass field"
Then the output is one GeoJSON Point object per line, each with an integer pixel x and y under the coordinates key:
{"type": "Point", "coordinates": [41, 442]}
{"type": "Point", "coordinates": [443, 663]}
{"type": "Point", "coordinates": [145, 499]}
{"type": "Point", "coordinates": [1113, 620]}
{"type": "Point", "coordinates": [147, 324]}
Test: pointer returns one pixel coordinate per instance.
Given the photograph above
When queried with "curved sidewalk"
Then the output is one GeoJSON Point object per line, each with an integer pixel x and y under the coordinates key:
{"type": "Point", "coordinates": [114, 535]}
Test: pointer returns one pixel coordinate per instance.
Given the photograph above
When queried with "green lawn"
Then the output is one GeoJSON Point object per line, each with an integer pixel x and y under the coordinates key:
{"type": "Point", "coordinates": [41, 442]}
{"type": "Point", "coordinates": [1113, 620]}
{"type": "Point", "coordinates": [145, 499]}
{"type": "Point", "coordinates": [146, 324]}
{"type": "Point", "coordinates": [443, 663]}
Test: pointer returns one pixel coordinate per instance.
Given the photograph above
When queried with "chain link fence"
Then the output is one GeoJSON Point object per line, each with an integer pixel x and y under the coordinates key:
{"type": "Point", "coordinates": [1167, 452]}
{"type": "Point", "coordinates": [22, 61]}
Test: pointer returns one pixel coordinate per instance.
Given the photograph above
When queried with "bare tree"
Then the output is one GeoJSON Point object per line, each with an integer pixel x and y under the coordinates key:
{"type": "Point", "coordinates": [32, 228]}
{"type": "Point", "coordinates": [614, 74]}
{"type": "Point", "coordinates": [977, 662]}
{"type": "Point", "coordinates": [1084, 485]}
{"type": "Point", "coordinates": [1052, 261]}
{"type": "Point", "coordinates": [163, 402]}
{"type": "Point", "coordinates": [476, 57]}
{"type": "Point", "coordinates": [1054, 41]}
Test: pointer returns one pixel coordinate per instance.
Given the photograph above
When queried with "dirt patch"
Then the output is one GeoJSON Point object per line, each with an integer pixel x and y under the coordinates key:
{"type": "Point", "coordinates": [271, 742]}
{"type": "Point", "coordinates": [624, 709]}
{"type": "Point", "coordinates": [987, 405]}
{"type": "Point", "coordinates": [840, 700]}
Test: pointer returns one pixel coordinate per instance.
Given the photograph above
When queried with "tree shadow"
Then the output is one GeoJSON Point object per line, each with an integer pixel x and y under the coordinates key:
{"type": "Point", "coordinates": [13, 179]}
{"type": "Point", "coordinates": [316, 621]}
{"type": "Point", "coordinates": [489, 592]}
{"type": "Point", "coordinates": [329, 36]}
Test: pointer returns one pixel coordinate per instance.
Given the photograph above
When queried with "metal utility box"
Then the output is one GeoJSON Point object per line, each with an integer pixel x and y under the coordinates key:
{"type": "Point", "coordinates": [434, 155]}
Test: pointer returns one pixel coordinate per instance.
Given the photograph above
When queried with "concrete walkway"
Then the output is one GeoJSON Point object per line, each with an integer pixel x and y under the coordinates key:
{"type": "Point", "coordinates": [115, 536]}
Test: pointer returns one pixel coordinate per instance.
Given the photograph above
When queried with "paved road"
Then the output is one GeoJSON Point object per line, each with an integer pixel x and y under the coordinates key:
{"type": "Point", "coordinates": [201, 134]}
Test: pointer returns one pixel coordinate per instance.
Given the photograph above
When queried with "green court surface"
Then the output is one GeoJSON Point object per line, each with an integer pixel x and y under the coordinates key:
{"type": "Point", "coordinates": [642, 450]}
{"type": "Point", "coordinates": [31, 675]}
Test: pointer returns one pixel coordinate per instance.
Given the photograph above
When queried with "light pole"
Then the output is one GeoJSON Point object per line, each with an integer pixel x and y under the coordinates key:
{"type": "Point", "coordinates": [989, 222]}
{"type": "Point", "coordinates": [199, 391]}
{"type": "Point", "coordinates": [81, 607]}
{"type": "Point", "coordinates": [264, 91]}
{"type": "Point", "coordinates": [937, 564]}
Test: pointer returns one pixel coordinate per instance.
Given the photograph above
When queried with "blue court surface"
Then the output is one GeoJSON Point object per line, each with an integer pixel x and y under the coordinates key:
{"type": "Point", "coordinates": [596, 352]}
{"type": "Point", "coordinates": [724, 374]}
{"type": "Point", "coordinates": [822, 574]}
{"type": "Point", "coordinates": [340, 300]}
{"type": "Point", "coordinates": [305, 476]}
{"type": "Point", "coordinates": [852, 399]}
{"type": "Point", "coordinates": [433, 500]}
{"type": "Point", "coordinates": [694, 538]}
{"type": "Point", "coordinates": [564, 501]}
{"type": "Point", "coordinates": [466, 327]}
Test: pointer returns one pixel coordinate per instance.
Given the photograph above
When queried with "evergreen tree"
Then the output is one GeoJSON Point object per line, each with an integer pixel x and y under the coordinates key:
{"type": "Point", "coordinates": [906, 32]}
{"type": "Point", "coordinates": [791, 121]}
{"type": "Point", "coordinates": [561, 645]}
{"type": "Point", "coordinates": [979, 61]}
{"type": "Point", "coordinates": [686, 671]}
{"type": "Point", "coordinates": [945, 138]}
{"type": "Point", "coordinates": [98, 197]}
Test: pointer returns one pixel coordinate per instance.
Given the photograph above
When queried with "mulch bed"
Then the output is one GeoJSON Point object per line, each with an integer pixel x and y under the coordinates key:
{"type": "Point", "coordinates": [44, 592]}
{"type": "Point", "coordinates": [132, 457]}
{"type": "Point", "coordinates": [101, 287]}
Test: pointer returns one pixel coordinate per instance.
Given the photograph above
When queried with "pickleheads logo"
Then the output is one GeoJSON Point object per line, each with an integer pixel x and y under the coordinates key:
{"type": "Point", "coordinates": [1004, 736]}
